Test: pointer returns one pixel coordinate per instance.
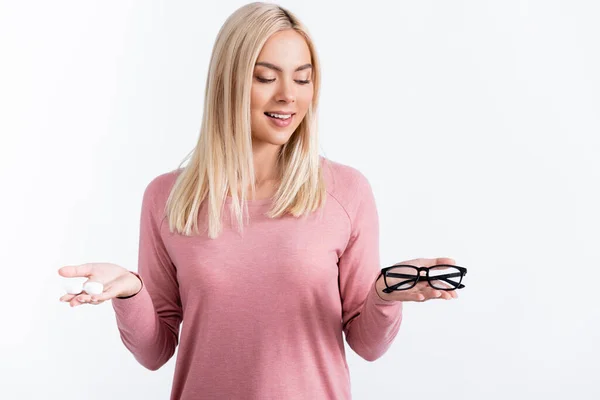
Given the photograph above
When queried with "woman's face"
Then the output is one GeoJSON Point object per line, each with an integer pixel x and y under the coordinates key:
{"type": "Point", "coordinates": [282, 84]}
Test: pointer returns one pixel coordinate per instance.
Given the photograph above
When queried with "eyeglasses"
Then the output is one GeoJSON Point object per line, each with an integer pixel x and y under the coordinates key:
{"type": "Point", "coordinates": [441, 277]}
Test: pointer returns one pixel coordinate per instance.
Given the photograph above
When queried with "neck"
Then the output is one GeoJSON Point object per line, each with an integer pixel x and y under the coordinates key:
{"type": "Point", "coordinates": [266, 168]}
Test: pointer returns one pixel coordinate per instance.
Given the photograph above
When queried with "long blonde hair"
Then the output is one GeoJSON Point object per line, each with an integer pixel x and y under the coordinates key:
{"type": "Point", "coordinates": [222, 160]}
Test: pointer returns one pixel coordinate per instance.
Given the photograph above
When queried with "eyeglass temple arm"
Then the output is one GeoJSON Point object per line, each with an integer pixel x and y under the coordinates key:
{"type": "Point", "coordinates": [393, 287]}
{"type": "Point", "coordinates": [439, 277]}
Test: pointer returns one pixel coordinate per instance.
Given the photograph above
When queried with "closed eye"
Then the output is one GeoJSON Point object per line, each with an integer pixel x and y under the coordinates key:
{"type": "Point", "coordinates": [302, 82]}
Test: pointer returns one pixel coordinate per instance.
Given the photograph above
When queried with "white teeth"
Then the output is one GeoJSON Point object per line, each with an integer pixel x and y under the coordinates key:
{"type": "Point", "coordinates": [280, 116]}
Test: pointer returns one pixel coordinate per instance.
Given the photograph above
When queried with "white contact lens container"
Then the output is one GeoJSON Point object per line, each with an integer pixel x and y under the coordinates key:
{"type": "Point", "coordinates": [93, 287]}
{"type": "Point", "coordinates": [73, 286]}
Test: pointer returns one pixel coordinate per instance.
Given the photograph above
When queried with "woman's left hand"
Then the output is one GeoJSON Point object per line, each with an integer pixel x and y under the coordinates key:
{"type": "Point", "coordinates": [422, 291]}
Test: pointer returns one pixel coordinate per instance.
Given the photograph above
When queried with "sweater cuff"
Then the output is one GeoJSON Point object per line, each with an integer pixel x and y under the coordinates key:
{"type": "Point", "coordinates": [374, 298]}
{"type": "Point", "coordinates": [139, 301]}
{"type": "Point", "coordinates": [142, 282]}
{"type": "Point", "coordinates": [135, 301]}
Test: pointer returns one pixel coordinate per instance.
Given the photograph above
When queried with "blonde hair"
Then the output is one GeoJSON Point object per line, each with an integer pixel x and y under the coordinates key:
{"type": "Point", "coordinates": [222, 159]}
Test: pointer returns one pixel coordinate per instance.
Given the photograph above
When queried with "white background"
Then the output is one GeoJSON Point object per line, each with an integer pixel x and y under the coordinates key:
{"type": "Point", "coordinates": [476, 123]}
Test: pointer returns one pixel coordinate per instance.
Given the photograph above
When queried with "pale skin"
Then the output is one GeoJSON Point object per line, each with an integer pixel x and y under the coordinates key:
{"type": "Point", "coordinates": [117, 281]}
{"type": "Point", "coordinates": [282, 81]}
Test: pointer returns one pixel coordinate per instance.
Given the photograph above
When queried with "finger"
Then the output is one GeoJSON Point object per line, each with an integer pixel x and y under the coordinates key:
{"type": "Point", "coordinates": [412, 297]}
{"type": "Point", "coordinates": [426, 262]}
{"type": "Point", "coordinates": [420, 298]}
{"type": "Point", "coordinates": [81, 298]}
{"type": "Point", "coordinates": [93, 301]}
{"type": "Point", "coordinates": [442, 294]}
{"type": "Point", "coordinates": [445, 260]}
{"type": "Point", "coordinates": [446, 295]}
{"type": "Point", "coordinates": [419, 262]}
{"type": "Point", "coordinates": [67, 297]}
{"type": "Point", "coordinates": [75, 301]}
{"type": "Point", "coordinates": [438, 293]}
{"type": "Point", "coordinates": [71, 271]}
{"type": "Point", "coordinates": [84, 298]}
{"type": "Point", "coordinates": [431, 293]}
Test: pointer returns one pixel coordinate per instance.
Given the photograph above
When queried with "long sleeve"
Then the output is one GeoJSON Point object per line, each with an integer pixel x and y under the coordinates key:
{"type": "Point", "coordinates": [149, 321]}
{"type": "Point", "coordinates": [267, 312]}
{"type": "Point", "coordinates": [370, 323]}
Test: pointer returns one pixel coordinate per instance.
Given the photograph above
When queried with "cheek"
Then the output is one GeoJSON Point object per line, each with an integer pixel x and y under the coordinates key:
{"type": "Point", "coordinates": [305, 98]}
{"type": "Point", "coordinates": [258, 99]}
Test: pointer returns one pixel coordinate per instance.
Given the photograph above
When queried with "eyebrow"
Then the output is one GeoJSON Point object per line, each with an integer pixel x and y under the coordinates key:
{"type": "Point", "coordinates": [276, 68]}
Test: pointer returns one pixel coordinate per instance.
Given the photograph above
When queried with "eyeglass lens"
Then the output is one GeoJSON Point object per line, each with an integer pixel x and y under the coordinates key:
{"type": "Point", "coordinates": [442, 277]}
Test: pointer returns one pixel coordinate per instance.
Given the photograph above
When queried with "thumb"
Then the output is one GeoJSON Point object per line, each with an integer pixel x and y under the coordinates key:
{"type": "Point", "coordinates": [445, 260]}
{"type": "Point", "coordinates": [70, 271]}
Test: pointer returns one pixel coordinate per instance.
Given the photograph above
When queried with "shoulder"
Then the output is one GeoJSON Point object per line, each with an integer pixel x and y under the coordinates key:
{"type": "Point", "coordinates": [345, 183]}
{"type": "Point", "coordinates": [160, 186]}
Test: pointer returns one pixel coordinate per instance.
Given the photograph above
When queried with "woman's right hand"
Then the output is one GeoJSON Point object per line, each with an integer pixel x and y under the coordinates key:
{"type": "Point", "coordinates": [117, 281]}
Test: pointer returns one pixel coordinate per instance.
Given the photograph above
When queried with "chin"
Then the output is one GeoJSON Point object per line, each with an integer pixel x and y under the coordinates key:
{"type": "Point", "coordinates": [274, 138]}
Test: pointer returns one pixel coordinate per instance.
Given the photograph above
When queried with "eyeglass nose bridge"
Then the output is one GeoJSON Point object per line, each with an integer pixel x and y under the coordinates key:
{"type": "Point", "coordinates": [424, 277]}
{"type": "Point", "coordinates": [421, 269]}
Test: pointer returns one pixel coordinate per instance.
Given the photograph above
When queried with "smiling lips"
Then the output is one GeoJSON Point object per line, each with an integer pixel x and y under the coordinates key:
{"type": "Point", "coordinates": [280, 114]}
{"type": "Point", "coordinates": [280, 118]}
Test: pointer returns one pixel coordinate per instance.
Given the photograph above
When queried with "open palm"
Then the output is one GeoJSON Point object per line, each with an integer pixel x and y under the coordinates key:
{"type": "Point", "coordinates": [117, 281]}
{"type": "Point", "coordinates": [422, 291]}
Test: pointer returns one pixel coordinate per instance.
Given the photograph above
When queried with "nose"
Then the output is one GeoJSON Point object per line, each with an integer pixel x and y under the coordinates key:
{"type": "Point", "coordinates": [285, 93]}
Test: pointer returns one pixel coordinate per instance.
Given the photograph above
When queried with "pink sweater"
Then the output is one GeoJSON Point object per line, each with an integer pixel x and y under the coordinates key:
{"type": "Point", "coordinates": [262, 314]}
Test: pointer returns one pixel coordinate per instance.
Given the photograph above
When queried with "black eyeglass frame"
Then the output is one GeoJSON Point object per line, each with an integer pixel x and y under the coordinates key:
{"type": "Point", "coordinates": [415, 278]}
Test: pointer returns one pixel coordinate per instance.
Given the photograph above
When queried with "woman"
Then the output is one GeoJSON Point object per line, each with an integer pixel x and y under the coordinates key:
{"type": "Point", "coordinates": [267, 289]}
